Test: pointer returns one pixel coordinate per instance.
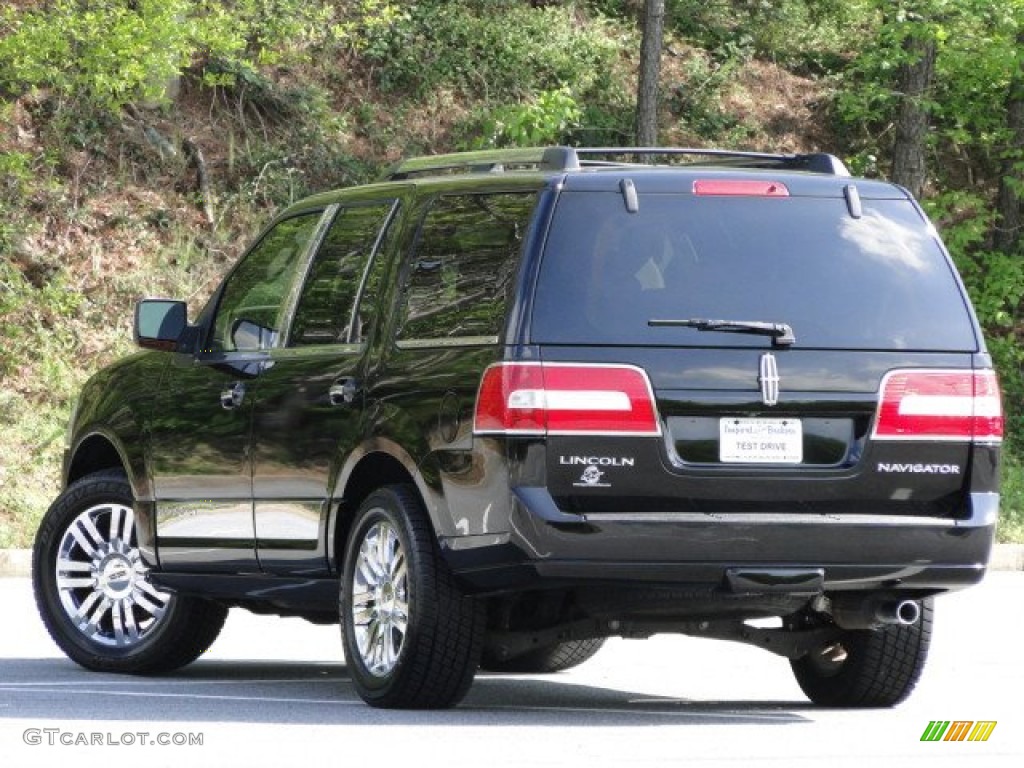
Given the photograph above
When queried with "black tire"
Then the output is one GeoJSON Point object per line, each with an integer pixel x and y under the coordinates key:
{"type": "Point", "coordinates": [546, 660]}
{"type": "Point", "coordinates": [881, 667]}
{"type": "Point", "coordinates": [127, 625]}
{"type": "Point", "coordinates": [412, 639]}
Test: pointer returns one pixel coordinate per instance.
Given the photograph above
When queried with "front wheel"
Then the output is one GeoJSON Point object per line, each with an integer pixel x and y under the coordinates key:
{"type": "Point", "coordinates": [412, 639]}
{"type": "Point", "coordinates": [93, 589]}
{"type": "Point", "coordinates": [868, 668]}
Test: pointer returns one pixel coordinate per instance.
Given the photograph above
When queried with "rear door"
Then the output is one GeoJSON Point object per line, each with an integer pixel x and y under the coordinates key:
{"type": "Point", "coordinates": [751, 421]}
{"type": "Point", "coordinates": [458, 280]}
{"type": "Point", "coordinates": [308, 403]}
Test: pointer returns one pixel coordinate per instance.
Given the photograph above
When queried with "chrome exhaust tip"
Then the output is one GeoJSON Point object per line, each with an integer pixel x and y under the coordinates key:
{"type": "Point", "coordinates": [869, 612]}
{"type": "Point", "coordinates": [905, 612]}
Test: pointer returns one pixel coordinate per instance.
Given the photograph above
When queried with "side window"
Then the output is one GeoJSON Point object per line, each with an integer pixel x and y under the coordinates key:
{"type": "Point", "coordinates": [325, 306]}
{"type": "Point", "coordinates": [464, 265]}
{"type": "Point", "coordinates": [250, 310]}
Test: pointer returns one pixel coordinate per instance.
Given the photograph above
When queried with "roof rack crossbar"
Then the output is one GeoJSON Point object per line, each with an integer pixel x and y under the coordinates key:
{"type": "Point", "coordinates": [573, 158]}
{"type": "Point", "coordinates": [816, 162]}
{"type": "Point", "coordinates": [673, 151]}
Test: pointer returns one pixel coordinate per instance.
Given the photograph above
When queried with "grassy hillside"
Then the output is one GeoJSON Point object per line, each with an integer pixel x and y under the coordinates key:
{"type": "Point", "coordinates": [100, 201]}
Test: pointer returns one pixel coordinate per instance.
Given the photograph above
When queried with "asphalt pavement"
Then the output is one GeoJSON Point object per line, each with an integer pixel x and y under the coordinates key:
{"type": "Point", "coordinates": [275, 691]}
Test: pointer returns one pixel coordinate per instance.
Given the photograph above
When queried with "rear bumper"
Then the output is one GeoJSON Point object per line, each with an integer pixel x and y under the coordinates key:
{"type": "Point", "coordinates": [549, 548]}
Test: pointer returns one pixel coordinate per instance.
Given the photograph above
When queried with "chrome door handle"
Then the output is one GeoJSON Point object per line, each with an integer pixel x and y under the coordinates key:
{"type": "Point", "coordinates": [343, 392]}
{"type": "Point", "coordinates": [233, 396]}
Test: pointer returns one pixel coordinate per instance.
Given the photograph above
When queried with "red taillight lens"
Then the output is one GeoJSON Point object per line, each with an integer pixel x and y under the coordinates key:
{"type": "Point", "coordinates": [502, 403]}
{"type": "Point", "coordinates": [564, 398]}
{"type": "Point", "coordinates": [940, 405]}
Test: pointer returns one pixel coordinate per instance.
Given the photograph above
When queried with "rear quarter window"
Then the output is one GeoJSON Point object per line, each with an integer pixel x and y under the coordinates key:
{"type": "Point", "coordinates": [462, 268]}
{"type": "Point", "coordinates": [880, 281]}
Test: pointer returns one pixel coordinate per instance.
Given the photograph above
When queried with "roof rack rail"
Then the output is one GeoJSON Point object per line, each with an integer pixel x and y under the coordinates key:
{"type": "Point", "coordinates": [574, 158]}
{"type": "Point", "coordinates": [486, 161]}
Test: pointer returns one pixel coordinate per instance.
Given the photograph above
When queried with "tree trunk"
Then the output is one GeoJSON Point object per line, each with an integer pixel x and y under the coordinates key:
{"type": "Point", "coordinates": [1007, 234]}
{"type": "Point", "coordinates": [650, 70]}
{"type": "Point", "coordinates": [909, 165]}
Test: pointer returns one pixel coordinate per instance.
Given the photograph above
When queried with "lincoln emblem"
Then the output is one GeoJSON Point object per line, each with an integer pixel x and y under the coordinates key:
{"type": "Point", "coordinates": [769, 379]}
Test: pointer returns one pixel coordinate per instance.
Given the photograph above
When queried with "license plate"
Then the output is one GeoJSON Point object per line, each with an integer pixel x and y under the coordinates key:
{"type": "Point", "coordinates": [760, 441]}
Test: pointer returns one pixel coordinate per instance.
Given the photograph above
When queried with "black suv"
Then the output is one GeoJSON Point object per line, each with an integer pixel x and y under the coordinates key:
{"type": "Point", "coordinates": [503, 405]}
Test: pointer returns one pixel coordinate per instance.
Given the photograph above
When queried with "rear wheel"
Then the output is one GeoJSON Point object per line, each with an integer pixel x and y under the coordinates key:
{"type": "Point", "coordinates": [93, 589]}
{"type": "Point", "coordinates": [552, 658]}
{"type": "Point", "coordinates": [868, 668]}
{"type": "Point", "coordinates": [412, 639]}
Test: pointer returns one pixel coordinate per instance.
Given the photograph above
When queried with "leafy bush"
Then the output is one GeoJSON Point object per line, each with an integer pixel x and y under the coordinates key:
{"type": "Point", "coordinates": [470, 48]}
{"type": "Point", "coordinates": [813, 34]}
{"type": "Point", "coordinates": [549, 118]}
{"type": "Point", "coordinates": [107, 53]}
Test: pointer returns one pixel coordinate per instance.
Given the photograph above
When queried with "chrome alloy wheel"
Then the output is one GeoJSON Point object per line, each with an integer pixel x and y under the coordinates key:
{"type": "Point", "coordinates": [103, 584]}
{"type": "Point", "coordinates": [380, 599]}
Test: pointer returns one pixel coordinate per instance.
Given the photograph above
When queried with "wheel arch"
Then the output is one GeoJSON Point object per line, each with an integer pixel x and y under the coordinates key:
{"type": "Point", "coordinates": [99, 448]}
{"type": "Point", "coordinates": [379, 463]}
{"type": "Point", "coordinates": [95, 453]}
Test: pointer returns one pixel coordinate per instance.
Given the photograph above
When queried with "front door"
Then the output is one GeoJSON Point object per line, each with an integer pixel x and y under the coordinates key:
{"type": "Point", "coordinates": [201, 429]}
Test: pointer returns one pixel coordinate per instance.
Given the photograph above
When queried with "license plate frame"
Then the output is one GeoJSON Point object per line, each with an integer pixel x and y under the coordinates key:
{"type": "Point", "coordinates": [743, 440]}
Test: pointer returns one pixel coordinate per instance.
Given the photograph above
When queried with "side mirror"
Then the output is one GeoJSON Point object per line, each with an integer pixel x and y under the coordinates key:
{"type": "Point", "coordinates": [160, 323]}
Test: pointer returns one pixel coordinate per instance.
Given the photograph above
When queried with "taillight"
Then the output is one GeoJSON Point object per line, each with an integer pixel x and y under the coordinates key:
{"type": "Point", "coordinates": [940, 405]}
{"type": "Point", "coordinates": [565, 398]}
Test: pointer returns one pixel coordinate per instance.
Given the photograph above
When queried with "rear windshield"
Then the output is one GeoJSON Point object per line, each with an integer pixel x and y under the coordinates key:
{"type": "Point", "coordinates": [880, 281]}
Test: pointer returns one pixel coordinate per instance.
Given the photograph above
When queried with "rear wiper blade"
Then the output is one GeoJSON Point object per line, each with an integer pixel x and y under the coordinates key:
{"type": "Point", "coordinates": [781, 333]}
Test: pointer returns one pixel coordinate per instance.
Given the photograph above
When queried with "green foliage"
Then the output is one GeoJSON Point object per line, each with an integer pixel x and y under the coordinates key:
{"type": "Point", "coordinates": [977, 54]}
{"type": "Point", "coordinates": [472, 49]}
{"type": "Point", "coordinates": [965, 218]}
{"type": "Point", "coordinates": [532, 73]}
{"type": "Point", "coordinates": [104, 52]}
{"type": "Point", "coordinates": [107, 53]}
{"type": "Point", "coordinates": [1011, 507]}
{"type": "Point", "coordinates": [37, 337]}
{"type": "Point", "coordinates": [33, 325]}
{"type": "Point", "coordinates": [28, 480]}
{"type": "Point", "coordinates": [811, 34]}
{"type": "Point", "coordinates": [548, 118]}
{"type": "Point", "coordinates": [696, 101]}
{"type": "Point", "coordinates": [260, 32]}
{"type": "Point", "coordinates": [15, 179]}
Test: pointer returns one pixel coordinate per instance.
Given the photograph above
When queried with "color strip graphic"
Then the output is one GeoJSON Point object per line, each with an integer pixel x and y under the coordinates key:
{"type": "Point", "coordinates": [958, 730]}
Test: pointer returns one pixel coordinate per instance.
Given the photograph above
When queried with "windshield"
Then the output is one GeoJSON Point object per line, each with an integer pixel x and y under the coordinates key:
{"type": "Point", "coordinates": [880, 281]}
